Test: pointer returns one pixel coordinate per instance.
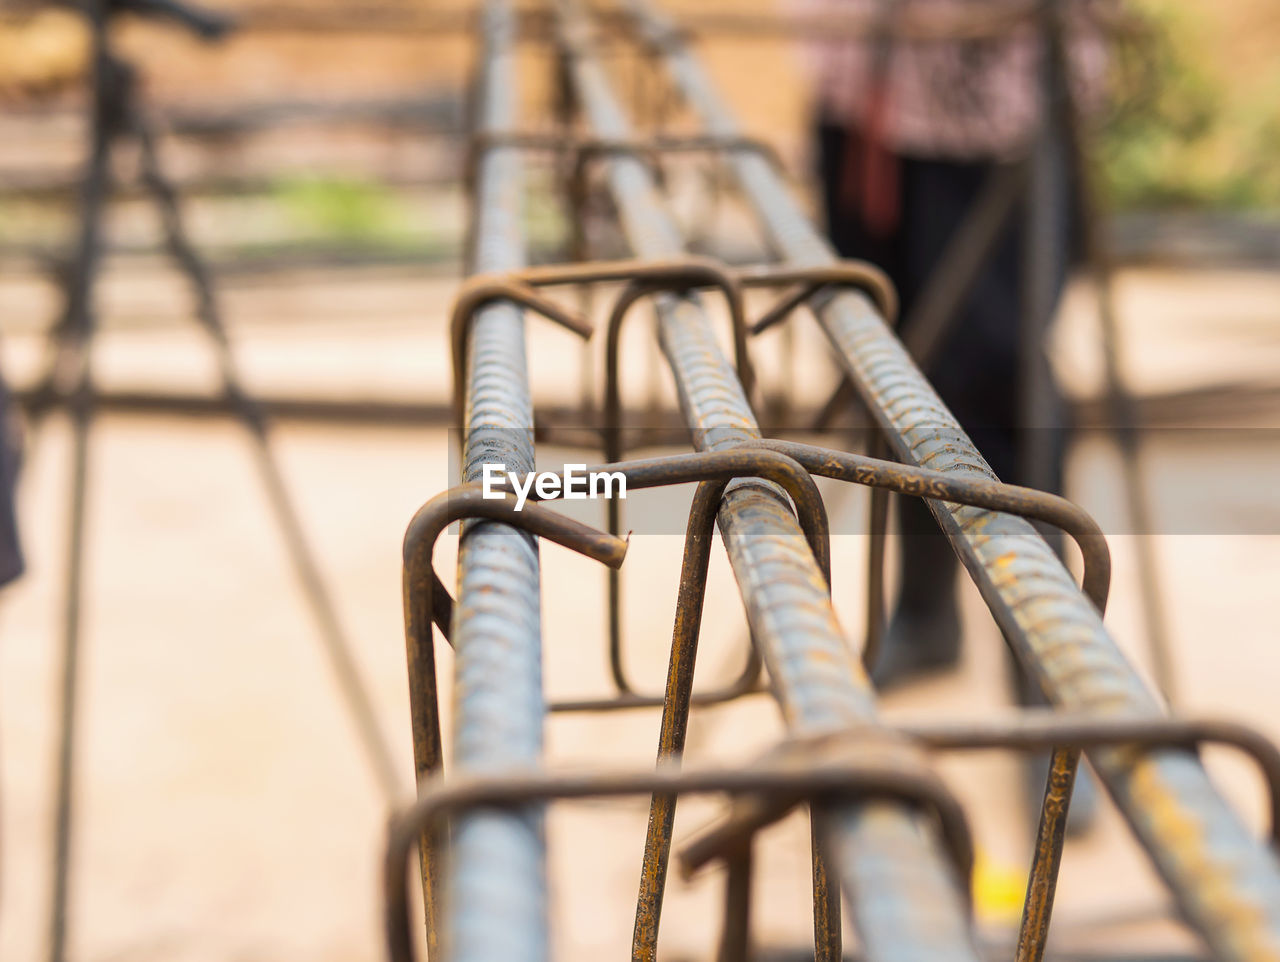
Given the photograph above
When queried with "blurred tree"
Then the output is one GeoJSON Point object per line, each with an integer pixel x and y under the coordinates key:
{"type": "Point", "coordinates": [1186, 129]}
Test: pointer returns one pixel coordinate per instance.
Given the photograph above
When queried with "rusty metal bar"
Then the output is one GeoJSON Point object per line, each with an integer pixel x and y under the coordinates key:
{"type": "Point", "coordinates": [497, 906]}
{"type": "Point", "coordinates": [421, 601]}
{"type": "Point", "coordinates": [1051, 509]}
{"type": "Point", "coordinates": [902, 892]}
{"type": "Point", "coordinates": [804, 769]}
{"type": "Point", "coordinates": [705, 467]}
{"type": "Point", "coordinates": [864, 762]}
{"type": "Point", "coordinates": [1226, 883]}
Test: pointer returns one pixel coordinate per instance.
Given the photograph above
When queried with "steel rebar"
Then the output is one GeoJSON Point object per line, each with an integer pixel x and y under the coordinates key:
{"type": "Point", "coordinates": [1226, 883]}
{"type": "Point", "coordinates": [903, 895]}
{"type": "Point", "coordinates": [497, 906]}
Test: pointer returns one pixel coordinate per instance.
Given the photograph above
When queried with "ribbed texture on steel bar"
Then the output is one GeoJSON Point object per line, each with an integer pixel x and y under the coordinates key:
{"type": "Point", "coordinates": [1226, 881]}
{"type": "Point", "coordinates": [496, 901]}
{"type": "Point", "coordinates": [902, 891]}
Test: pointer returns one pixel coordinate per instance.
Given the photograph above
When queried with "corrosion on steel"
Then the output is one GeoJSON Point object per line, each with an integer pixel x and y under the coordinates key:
{"type": "Point", "coordinates": [497, 871]}
{"type": "Point", "coordinates": [1225, 882]}
{"type": "Point", "coordinates": [818, 681]}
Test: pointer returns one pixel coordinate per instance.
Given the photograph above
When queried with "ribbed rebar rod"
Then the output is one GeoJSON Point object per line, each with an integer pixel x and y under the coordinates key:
{"type": "Point", "coordinates": [902, 893]}
{"type": "Point", "coordinates": [496, 902]}
{"type": "Point", "coordinates": [1226, 882]}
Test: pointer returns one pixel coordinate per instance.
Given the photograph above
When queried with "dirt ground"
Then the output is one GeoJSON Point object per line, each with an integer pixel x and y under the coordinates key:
{"type": "Point", "coordinates": [225, 810]}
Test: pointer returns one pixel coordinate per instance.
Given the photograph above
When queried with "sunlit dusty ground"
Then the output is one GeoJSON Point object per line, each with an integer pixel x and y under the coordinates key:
{"type": "Point", "coordinates": [225, 810]}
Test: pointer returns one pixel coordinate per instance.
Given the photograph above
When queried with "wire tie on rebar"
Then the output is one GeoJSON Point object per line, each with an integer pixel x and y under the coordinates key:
{"type": "Point", "coordinates": [482, 289]}
{"type": "Point", "coordinates": [466, 501]}
{"type": "Point", "coordinates": [884, 764]}
{"type": "Point", "coordinates": [913, 481]}
{"type": "Point", "coordinates": [674, 276]}
{"type": "Point", "coordinates": [1038, 729]}
{"type": "Point", "coordinates": [723, 467]}
{"type": "Point", "coordinates": [860, 275]}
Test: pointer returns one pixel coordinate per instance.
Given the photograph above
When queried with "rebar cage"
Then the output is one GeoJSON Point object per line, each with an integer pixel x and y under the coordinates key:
{"type": "Point", "coordinates": [888, 836]}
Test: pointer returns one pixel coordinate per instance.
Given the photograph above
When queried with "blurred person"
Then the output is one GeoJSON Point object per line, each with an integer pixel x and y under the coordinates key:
{"type": "Point", "coordinates": [908, 131]}
{"type": "Point", "coordinates": [908, 134]}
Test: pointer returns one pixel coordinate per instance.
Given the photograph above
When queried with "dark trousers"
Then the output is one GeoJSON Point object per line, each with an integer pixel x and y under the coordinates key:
{"type": "Point", "coordinates": [11, 562]}
{"type": "Point", "coordinates": [977, 369]}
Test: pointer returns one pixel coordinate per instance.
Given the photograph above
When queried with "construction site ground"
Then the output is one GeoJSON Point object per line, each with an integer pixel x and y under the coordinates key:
{"type": "Point", "coordinates": [226, 812]}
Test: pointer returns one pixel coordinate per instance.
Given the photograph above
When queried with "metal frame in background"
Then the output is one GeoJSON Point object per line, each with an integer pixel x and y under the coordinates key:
{"type": "Point", "coordinates": [117, 116]}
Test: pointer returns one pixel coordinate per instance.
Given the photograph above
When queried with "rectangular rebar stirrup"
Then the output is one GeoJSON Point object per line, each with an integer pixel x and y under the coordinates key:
{"type": "Point", "coordinates": [581, 150]}
{"type": "Point", "coordinates": [497, 906]}
{"type": "Point", "coordinates": [792, 772]}
{"type": "Point", "coordinates": [712, 470]}
{"type": "Point", "coordinates": [1226, 883]}
{"type": "Point", "coordinates": [884, 475]}
{"type": "Point", "coordinates": [903, 479]}
{"type": "Point", "coordinates": [891, 863]}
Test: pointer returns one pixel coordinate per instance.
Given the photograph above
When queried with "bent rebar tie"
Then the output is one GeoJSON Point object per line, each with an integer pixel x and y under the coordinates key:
{"type": "Point", "coordinates": [420, 579]}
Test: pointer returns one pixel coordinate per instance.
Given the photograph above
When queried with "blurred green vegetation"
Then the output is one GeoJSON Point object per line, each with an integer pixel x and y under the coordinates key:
{"type": "Point", "coordinates": [365, 213]}
{"type": "Point", "coordinates": [1187, 130]}
{"type": "Point", "coordinates": [341, 208]}
{"type": "Point", "coordinates": [327, 211]}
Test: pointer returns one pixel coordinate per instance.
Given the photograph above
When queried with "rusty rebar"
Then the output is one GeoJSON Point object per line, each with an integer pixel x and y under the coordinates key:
{"type": "Point", "coordinates": [497, 875]}
{"type": "Point", "coordinates": [1225, 882]}
{"type": "Point", "coordinates": [819, 682]}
